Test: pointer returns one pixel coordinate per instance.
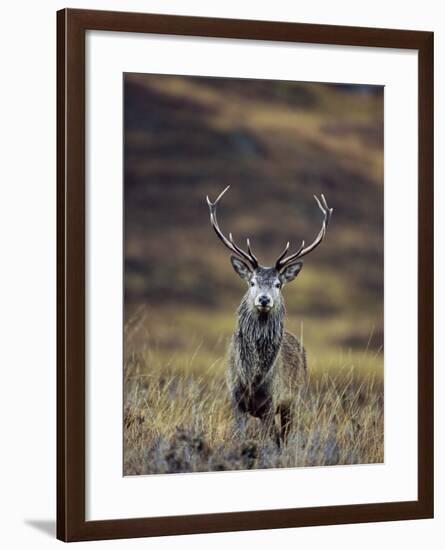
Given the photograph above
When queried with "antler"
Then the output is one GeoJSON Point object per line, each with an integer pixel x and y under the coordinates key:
{"type": "Point", "coordinates": [229, 242]}
{"type": "Point", "coordinates": [302, 251]}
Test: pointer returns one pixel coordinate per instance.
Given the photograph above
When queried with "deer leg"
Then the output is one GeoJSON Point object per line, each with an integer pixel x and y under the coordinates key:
{"type": "Point", "coordinates": [285, 422]}
{"type": "Point", "coordinates": [240, 422]}
{"type": "Point", "coordinates": [239, 410]}
{"type": "Point", "coordinates": [269, 427]}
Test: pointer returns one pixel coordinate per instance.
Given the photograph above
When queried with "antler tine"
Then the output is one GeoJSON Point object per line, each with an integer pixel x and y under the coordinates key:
{"type": "Point", "coordinates": [324, 208]}
{"type": "Point", "coordinates": [281, 256]}
{"type": "Point", "coordinates": [281, 263]}
{"type": "Point", "coordinates": [248, 256]}
{"type": "Point", "coordinates": [213, 205]}
{"type": "Point", "coordinates": [249, 250]}
{"type": "Point", "coordinates": [229, 242]}
{"type": "Point", "coordinates": [302, 251]}
{"type": "Point", "coordinates": [325, 204]}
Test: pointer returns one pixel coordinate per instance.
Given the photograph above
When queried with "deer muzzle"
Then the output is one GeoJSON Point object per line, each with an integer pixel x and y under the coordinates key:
{"type": "Point", "coordinates": [263, 303]}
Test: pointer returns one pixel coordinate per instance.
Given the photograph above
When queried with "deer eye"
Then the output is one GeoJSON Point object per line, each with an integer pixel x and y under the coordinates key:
{"type": "Point", "coordinates": [277, 285]}
{"type": "Point", "coordinates": [252, 283]}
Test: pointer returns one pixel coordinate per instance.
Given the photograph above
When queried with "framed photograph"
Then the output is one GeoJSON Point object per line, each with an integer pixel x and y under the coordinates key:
{"type": "Point", "coordinates": [245, 275]}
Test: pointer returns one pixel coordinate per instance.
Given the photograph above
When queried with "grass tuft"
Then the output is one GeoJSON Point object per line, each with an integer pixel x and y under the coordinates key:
{"type": "Point", "coordinates": [180, 420]}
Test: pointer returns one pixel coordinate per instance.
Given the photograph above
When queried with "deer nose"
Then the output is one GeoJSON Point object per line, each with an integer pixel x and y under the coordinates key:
{"type": "Point", "coordinates": [264, 300]}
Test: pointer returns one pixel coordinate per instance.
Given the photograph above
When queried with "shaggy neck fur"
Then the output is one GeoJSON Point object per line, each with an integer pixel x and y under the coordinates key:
{"type": "Point", "coordinates": [258, 339]}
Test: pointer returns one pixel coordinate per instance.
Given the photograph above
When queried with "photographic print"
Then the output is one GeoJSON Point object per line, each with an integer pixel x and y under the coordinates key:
{"type": "Point", "coordinates": [234, 309]}
{"type": "Point", "coordinates": [253, 274]}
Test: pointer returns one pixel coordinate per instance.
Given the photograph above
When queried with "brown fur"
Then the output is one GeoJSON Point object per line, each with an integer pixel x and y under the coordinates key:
{"type": "Point", "coordinates": [266, 396]}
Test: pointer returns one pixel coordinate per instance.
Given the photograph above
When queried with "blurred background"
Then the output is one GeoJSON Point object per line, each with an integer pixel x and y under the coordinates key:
{"type": "Point", "coordinates": [276, 144]}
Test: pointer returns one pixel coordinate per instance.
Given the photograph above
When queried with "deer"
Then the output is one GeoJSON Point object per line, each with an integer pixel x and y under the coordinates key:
{"type": "Point", "coordinates": [266, 365]}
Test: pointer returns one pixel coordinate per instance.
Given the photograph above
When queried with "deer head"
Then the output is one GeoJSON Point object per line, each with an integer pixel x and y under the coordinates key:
{"type": "Point", "coordinates": [265, 283]}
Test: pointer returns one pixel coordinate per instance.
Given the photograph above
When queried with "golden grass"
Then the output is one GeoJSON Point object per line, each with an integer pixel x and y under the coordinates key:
{"type": "Point", "coordinates": [177, 415]}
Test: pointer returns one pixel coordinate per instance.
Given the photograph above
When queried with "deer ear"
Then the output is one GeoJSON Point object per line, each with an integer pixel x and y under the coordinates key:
{"type": "Point", "coordinates": [240, 267]}
{"type": "Point", "coordinates": [290, 272]}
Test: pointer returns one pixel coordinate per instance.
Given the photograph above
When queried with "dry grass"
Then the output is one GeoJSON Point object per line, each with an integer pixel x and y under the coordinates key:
{"type": "Point", "coordinates": [177, 418]}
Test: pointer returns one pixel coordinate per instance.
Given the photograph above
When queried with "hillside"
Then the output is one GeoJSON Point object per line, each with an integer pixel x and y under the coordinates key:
{"type": "Point", "coordinates": [276, 144]}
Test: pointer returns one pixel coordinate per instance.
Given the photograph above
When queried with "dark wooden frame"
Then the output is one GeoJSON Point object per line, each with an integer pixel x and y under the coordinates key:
{"type": "Point", "coordinates": [71, 28]}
